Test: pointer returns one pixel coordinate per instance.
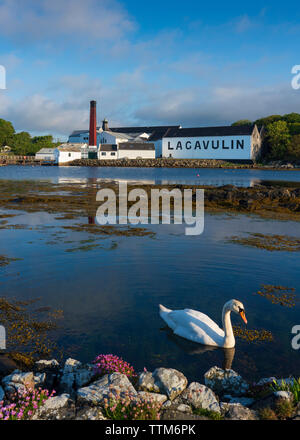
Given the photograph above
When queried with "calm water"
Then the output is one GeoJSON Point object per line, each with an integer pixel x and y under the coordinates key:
{"type": "Point", "coordinates": [207, 176]}
{"type": "Point", "coordinates": [110, 294]}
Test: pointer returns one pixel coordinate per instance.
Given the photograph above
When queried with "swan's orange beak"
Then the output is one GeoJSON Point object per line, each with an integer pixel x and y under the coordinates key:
{"type": "Point", "coordinates": [243, 316]}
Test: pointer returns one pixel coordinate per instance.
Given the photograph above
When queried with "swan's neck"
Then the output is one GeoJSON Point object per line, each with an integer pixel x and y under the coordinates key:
{"type": "Point", "coordinates": [229, 340]}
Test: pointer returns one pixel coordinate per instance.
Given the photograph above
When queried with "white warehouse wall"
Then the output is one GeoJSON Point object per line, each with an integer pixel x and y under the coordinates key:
{"type": "Point", "coordinates": [223, 147]}
{"type": "Point", "coordinates": [134, 154]}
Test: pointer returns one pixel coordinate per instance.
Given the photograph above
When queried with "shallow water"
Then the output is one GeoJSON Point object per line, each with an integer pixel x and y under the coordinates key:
{"type": "Point", "coordinates": [110, 294]}
{"type": "Point", "coordinates": [203, 176]}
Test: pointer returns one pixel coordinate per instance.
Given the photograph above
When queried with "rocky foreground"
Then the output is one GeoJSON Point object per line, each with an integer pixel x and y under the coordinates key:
{"type": "Point", "coordinates": [80, 395]}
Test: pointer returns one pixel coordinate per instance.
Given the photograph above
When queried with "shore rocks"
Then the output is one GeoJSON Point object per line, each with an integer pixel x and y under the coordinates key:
{"type": "Point", "coordinates": [167, 387]}
{"type": "Point", "coordinates": [225, 382]}
{"type": "Point", "coordinates": [2, 393]}
{"type": "Point", "coordinates": [236, 411]}
{"type": "Point", "coordinates": [17, 382]}
{"type": "Point", "coordinates": [56, 408]}
{"type": "Point", "coordinates": [115, 383]}
{"type": "Point", "coordinates": [165, 380]}
{"type": "Point", "coordinates": [200, 396]}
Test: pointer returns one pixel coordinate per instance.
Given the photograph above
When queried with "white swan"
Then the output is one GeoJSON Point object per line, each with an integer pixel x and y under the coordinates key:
{"type": "Point", "coordinates": [198, 327]}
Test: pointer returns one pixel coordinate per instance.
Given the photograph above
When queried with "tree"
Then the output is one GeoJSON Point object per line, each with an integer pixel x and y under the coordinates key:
{"type": "Point", "coordinates": [279, 139]}
{"type": "Point", "coordinates": [242, 122]}
{"type": "Point", "coordinates": [293, 150]}
{"type": "Point", "coordinates": [268, 120]}
{"type": "Point", "coordinates": [21, 143]}
{"type": "Point", "coordinates": [291, 118]}
{"type": "Point", "coordinates": [7, 132]}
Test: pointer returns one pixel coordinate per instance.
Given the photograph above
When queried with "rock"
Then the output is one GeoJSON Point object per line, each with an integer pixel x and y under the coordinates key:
{"type": "Point", "coordinates": [2, 393]}
{"type": "Point", "coordinates": [7, 365]}
{"type": "Point", "coordinates": [200, 396]}
{"type": "Point", "coordinates": [245, 401]}
{"type": "Point", "coordinates": [17, 382]}
{"type": "Point", "coordinates": [271, 400]}
{"type": "Point", "coordinates": [90, 414]}
{"type": "Point", "coordinates": [159, 398]}
{"type": "Point", "coordinates": [173, 414]}
{"type": "Point", "coordinates": [286, 395]}
{"type": "Point", "coordinates": [67, 382]}
{"type": "Point", "coordinates": [147, 382]}
{"type": "Point", "coordinates": [115, 383]}
{"type": "Point", "coordinates": [75, 375]}
{"type": "Point", "coordinates": [46, 365]}
{"type": "Point", "coordinates": [265, 381]}
{"type": "Point", "coordinates": [165, 380]}
{"type": "Point", "coordinates": [225, 381]}
{"type": "Point", "coordinates": [184, 408]}
{"type": "Point", "coordinates": [39, 379]}
{"type": "Point", "coordinates": [56, 408]}
{"type": "Point", "coordinates": [83, 376]}
{"type": "Point", "coordinates": [71, 365]}
{"type": "Point", "coordinates": [236, 411]}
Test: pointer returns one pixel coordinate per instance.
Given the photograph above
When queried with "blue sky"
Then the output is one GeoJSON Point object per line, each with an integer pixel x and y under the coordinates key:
{"type": "Point", "coordinates": [160, 62]}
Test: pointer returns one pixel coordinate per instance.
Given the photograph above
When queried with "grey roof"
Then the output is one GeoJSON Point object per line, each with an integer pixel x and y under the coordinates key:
{"type": "Point", "coordinates": [136, 146]}
{"type": "Point", "coordinates": [77, 133]}
{"type": "Point", "coordinates": [46, 151]}
{"type": "Point", "coordinates": [211, 131]}
{"type": "Point", "coordinates": [71, 147]}
{"type": "Point", "coordinates": [108, 147]}
{"type": "Point", "coordinates": [138, 130]}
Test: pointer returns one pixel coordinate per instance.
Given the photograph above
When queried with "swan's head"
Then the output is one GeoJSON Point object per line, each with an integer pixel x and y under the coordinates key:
{"type": "Point", "coordinates": [236, 306]}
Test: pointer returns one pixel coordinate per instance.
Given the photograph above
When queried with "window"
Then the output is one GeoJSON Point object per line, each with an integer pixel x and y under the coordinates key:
{"type": "Point", "coordinates": [70, 154]}
{"type": "Point", "coordinates": [103, 153]}
{"type": "Point", "coordinates": [113, 154]}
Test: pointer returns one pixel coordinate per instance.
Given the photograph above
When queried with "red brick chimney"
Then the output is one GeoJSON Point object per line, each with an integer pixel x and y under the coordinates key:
{"type": "Point", "coordinates": [93, 130]}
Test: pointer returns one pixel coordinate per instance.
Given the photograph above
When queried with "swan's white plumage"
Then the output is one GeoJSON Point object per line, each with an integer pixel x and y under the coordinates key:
{"type": "Point", "coordinates": [193, 325]}
{"type": "Point", "coordinates": [198, 327]}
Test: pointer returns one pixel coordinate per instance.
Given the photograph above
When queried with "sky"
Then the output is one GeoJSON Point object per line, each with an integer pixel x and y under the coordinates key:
{"type": "Point", "coordinates": [152, 62]}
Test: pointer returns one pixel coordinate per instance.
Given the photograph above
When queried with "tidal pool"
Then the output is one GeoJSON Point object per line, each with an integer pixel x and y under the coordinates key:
{"type": "Point", "coordinates": [109, 288]}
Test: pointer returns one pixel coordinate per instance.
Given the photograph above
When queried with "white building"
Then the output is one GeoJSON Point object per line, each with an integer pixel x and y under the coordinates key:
{"type": "Point", "coordinates": [127, 150]}
{"type": "Point", "coordinates": [226, 143]}
{"type": "Point", "coordinates": [136, 150]}
{"type": "Point", "coordinates": [108, 151]}
{"type": "Point", "coordinates": [47, 155]}
{"type": "Point", "coordinates": [69, 152]}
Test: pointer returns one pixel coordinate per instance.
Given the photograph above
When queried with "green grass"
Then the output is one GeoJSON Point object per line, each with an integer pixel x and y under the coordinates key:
{"type": "Point", "coordinates": [293, 387]}
{"type": "Point", "coordinates": [207, 413]}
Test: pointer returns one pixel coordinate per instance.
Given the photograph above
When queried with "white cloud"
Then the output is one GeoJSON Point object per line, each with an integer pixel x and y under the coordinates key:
{"type": "Point", "coordinates": [88, 20]}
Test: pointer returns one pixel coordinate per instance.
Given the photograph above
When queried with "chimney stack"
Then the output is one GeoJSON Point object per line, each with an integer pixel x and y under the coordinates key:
{"type": "Point", "coordinates": [105, 125]}
{"type": "Point", "coordinates": [93, 127]}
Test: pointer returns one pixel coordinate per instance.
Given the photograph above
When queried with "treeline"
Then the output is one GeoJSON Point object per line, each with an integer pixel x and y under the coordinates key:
{"type": "Point", "coordinates": [281, 136]}
{"type": "Point", "coordinates": [22, 143]}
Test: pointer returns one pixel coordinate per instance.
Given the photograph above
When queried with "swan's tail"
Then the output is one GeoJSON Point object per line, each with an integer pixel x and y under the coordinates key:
{"type": "Point", "coordinates": [165, 315]}
{"type": "Point", "coordinates": [163, 311]}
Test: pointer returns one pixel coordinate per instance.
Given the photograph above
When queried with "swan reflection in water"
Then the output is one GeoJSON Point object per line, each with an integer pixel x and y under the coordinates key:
{"type": "Point", "coordinates": [192, 348]}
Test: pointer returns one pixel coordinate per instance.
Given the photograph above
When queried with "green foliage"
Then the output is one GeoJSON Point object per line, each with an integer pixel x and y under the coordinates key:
{"type": "Point", "coordinates": [7, 132]}
{"type": "Point", "coordinates": [130, 407]}
{"type": "Point", "coordinates": [293, 386]}
{"type": "Point", "coordinates": [268, 120]}
{"type": "Point", "coordinates": [242, 122]}
{"type": "Point", "coordinates": [294, 128]}
{"type": "Point", "coordinates": [207, 413]}
{"type": "Point", "coordinates": [284, 409]}
{"type": "Point", "coordinates": [22, 143]}
{"type": "Point", "coordinates": [293, 149]}
{"type": "Point", "coordinates": [291, 117]}
{"type": "Point", "coordinates": [267, 414]}
{"type": "Point", "coordinates": [279, 139]}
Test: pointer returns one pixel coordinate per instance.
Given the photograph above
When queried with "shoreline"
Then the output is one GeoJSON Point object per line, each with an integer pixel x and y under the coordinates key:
{"type": "Point", "coordinates": [77, 391]}
{"type": "Point", "coordinates": [182, 163]}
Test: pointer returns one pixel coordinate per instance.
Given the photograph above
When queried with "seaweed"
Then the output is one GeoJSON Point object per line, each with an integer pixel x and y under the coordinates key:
{"type": "Point", "coordinates": [285, 296]}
